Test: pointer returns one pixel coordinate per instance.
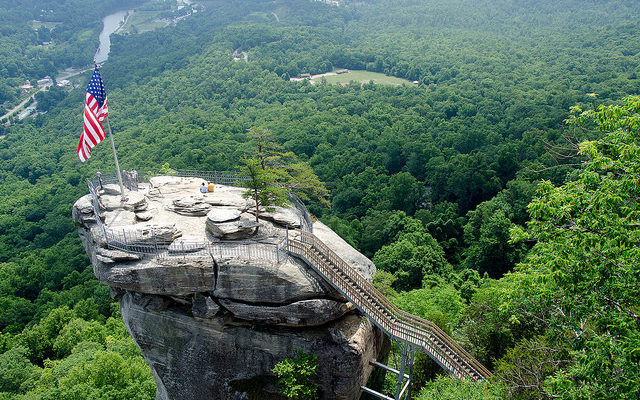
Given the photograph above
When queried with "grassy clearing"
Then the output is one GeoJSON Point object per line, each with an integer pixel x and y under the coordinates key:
{"type": "Point", "coordinates": [363, 77]}
{"type": "Point", "coordinates": [39, 24]}
{"type": "Point", "coordinates": [142, 21]}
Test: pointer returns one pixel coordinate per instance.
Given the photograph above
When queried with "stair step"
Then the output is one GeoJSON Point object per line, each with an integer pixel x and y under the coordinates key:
{"type": "Point", "coordinates": [364, 299]}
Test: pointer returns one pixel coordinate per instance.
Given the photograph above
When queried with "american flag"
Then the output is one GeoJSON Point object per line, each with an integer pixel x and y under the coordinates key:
{"type": "Point", "coordinates": [95, 109]}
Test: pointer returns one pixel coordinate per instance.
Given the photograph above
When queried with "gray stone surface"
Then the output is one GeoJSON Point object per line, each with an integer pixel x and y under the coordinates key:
{"type": "Point", "coordinates": [230, 197]}
{"type": "Point", "coordinates": [268, 282]}
{"type": "Point", "coordinates": [239, 229]}
{"type": "Point", "coordinates": [289, 217]}
{"type": "Point", "coordinates": [223, 214]}
{"type": "Point", "coordinates": [82, 211]}
{"type": "Point", "coordinates": [203, 359]}
{"type": "Point", "coordinates": [135, 201]}
{"type": "Point", "coordinates": [203, 306]}
{"type": "Point", "coordinates": [353, 257]}
{"type": "Point", "coordinates": [166, 180]}
{"type": "Point", "coordinates": [191, 205]}
{"type": "Point", "coordinates": [147, 234]}
{"type": "Point", "coordinates": [120, 218]}
{"type": "Point", "coordinates": [144, 216]}
{"type": "Point", "coordinates": [110, 189]}
{"type": "Point", "coordinates": [311, 312]}
{"type": "Point", "coordinates": [164, 277]}
{"type": "Point", "coordinates": [113, 256]}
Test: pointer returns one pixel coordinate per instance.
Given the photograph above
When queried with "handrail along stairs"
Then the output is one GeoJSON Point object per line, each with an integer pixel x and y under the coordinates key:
{"type": "Point", "coordinates": [395, 322]}
{"type": "Point", "coordinates": [305, 245]}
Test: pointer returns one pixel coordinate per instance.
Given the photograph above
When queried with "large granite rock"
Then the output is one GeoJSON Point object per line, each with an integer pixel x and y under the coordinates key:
{"type": "Point", "coordinates": [204, 307]}
{"type": "Point", "coordinates": [223, 214]}
{"type": "Point", "coordinates": [134, 201]}
{"type": "Point", "coordinates": [82, 212]}
{"type": "Point", "coordinates": [194, 205]}
{"type": "Point", "coordinates": [287, 217]}
{"type": "Point", "coordinates": [177, 277]}
{"type": "Point", "coordinates": [268, 282]}
{"type": "Point", "coordinates": [213, 318]}
{"type": "Point", "coordinates": [219, 358]}
{"type": "Point", "coordinates": [353, 257]}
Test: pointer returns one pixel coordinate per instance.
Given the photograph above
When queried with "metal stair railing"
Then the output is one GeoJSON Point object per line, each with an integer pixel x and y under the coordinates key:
{"type": "Point", "coordinates": [395, 322]}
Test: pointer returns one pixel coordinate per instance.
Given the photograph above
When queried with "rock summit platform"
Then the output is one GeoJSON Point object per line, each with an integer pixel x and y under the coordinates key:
{"type": "Point", "coordinates": [205, 290]}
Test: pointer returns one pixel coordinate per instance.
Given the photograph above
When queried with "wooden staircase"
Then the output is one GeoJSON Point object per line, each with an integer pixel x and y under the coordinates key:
{"type": "Point", "coordinates": [394, 322]}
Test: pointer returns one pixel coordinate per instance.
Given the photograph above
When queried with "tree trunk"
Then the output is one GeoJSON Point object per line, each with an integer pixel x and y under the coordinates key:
{"type": "Point", "coordinates": [255, 195]}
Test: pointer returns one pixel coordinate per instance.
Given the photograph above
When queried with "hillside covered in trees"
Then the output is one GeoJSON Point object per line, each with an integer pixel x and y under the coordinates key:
{"type": "Point", "coordinates": [487, 203]}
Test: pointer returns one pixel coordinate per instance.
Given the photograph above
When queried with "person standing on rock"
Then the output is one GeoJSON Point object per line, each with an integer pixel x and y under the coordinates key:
{"type": "Point", "coordinates": [134, 178]}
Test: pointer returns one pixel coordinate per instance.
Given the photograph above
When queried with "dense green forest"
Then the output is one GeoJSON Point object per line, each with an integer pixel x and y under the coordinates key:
{"type": "Point", "coordinates": [488, 205]}
{"type": "Point", "coordinates": [40, 37]}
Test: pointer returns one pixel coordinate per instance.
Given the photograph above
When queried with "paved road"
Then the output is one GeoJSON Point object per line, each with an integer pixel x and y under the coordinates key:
{"type": "Point", "coordinates": [19, 106]}
{"type": "Point", "coordinates": [66, 74]}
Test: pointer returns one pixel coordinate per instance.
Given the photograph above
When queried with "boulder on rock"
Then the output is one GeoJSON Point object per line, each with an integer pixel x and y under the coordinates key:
{"type": "Point", "coordinates": [144, 216]}
{"type": "Point", "coordinates": [240, 229]}
{"type": "Point", "coordinates": [135, 201]}
{"type": "Point", "coordinates": [289, 217]}
{"type": "Point", "coordinates": [82, 211]}
{"type": "Point", "coordinates": [112, 256]}
{"type": "Point", "coordinates": [110, 189]}
{"type": "Point", "coordinates": [193, 205]}
{"type": "Point", "coordinates": [223, 214]}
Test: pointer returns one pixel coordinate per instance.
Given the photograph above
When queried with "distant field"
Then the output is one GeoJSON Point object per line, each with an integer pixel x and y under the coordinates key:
{"type": "Point", "coordinates": [142, 21]}
{"type": "Point", "coordinates": [37, 24]}
{"type": "Point", "coordinates": [362, 76]}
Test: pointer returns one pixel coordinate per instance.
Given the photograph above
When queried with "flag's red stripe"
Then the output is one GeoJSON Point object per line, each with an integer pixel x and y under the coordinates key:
{"type": "Point", "coordinates": [92, 132]}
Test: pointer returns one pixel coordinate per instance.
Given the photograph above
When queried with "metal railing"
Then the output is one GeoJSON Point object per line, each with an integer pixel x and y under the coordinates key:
{"type": "Point", "coordinates": [148, 243]}
{"type": "Point", "coordinates": [395, 322]}
{"type": "Point", "coordinates": [304, 244]}
{"type": "Point", "coordinates": [227, 178]}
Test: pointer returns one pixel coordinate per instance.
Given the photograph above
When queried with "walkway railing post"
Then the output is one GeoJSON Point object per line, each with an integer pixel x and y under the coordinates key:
{"type": "Point", "coordinates": [412, 351]}
{"type": "Point", "coordinates": [401, 374]}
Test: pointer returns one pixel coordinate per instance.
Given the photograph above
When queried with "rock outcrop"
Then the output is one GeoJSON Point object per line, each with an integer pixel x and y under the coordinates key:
{"type": "Point", "coordinates": [212, 318]}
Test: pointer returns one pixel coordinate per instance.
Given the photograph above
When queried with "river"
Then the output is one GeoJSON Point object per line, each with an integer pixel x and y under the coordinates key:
{"type": "Point", "coordinates": [111, 23]}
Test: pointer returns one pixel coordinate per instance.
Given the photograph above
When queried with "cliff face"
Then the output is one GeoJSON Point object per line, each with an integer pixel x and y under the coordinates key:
{"type": "Point", "coordinates": [213, 319]}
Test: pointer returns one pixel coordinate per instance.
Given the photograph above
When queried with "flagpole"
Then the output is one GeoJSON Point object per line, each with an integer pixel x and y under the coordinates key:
{"type": "Point", "coordinates": [115, 157]}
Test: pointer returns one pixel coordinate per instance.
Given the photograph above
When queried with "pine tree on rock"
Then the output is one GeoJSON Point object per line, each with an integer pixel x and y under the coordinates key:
{"type": "Point", "coordinates": [274, 173]}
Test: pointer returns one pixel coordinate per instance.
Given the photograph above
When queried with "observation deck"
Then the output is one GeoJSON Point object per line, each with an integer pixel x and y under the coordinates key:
{"type": "Point", "coordinates": [224, 214]}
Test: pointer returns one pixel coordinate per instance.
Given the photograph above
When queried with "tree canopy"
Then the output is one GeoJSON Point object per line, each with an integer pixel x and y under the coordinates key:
{"type": "Point", "coordinates": [432, 180]}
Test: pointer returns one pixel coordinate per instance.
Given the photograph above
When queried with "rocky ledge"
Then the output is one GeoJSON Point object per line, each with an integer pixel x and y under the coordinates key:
{"type": "Point", "coordinates": [217, 306]}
